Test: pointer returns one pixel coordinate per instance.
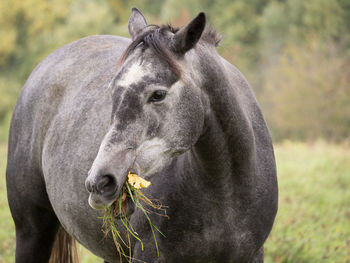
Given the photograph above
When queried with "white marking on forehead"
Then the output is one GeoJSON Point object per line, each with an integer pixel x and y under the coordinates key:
{"type": "Point", "coordinates": [133, 74]}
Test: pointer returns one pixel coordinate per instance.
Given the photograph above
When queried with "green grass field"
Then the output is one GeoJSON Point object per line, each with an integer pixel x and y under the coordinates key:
{"type": "Point", "coordinates": [313, 221]}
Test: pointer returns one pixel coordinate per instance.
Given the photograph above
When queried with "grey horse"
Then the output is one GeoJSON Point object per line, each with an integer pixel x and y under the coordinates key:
{"type": "Point", "coordinates": [166, 98]}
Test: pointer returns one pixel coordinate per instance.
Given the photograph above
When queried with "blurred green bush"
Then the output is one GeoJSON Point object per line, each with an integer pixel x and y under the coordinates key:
{"type": "Point", "coordinates": [295, 53]}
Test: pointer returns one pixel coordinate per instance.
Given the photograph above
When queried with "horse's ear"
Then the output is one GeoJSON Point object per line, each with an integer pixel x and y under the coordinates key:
{"type": "Point", "coordinates": [188, 36]}
{"type": "Point", "coordinates": [137, 22]}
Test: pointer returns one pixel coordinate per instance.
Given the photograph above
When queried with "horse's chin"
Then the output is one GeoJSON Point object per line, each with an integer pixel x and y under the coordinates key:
{"type": "Point", "coordinates": [99, 205]}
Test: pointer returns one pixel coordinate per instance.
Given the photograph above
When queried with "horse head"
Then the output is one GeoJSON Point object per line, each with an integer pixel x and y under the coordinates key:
{"type": "Point", "coordinates": [158, 109]}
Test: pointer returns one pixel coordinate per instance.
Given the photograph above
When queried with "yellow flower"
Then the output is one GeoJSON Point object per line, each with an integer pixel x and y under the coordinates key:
{"type": "Point", "coordinates": [137, 182]}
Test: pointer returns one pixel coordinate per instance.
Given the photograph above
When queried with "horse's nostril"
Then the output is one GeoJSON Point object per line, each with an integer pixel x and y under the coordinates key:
{"type": "Point", "coordinates": [106, 185]}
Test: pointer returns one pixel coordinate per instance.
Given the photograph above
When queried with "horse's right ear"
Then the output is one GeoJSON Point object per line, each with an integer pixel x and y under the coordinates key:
{"type": "Point", "coordinates": [187, 37]}
{"type": "Point", "coordinates": [137, 22]}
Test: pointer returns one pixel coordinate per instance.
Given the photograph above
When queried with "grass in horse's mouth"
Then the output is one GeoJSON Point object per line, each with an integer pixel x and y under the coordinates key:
{"type": "Point", "coordinates": [132, 190]}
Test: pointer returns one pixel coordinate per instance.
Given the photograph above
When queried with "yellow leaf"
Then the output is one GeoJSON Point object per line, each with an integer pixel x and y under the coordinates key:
{"type": "Point", "coordinates": [137, 182]}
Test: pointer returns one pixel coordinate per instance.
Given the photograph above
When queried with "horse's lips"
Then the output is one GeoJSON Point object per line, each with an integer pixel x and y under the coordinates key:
{"type": "Point", "coordinates": [130, 206]}
{"type": "Point", "coordinates": [96, 202]}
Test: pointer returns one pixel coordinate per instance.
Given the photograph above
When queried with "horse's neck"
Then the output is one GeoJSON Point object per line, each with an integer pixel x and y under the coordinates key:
{"type": "Point", "coordinates": [225, 152]}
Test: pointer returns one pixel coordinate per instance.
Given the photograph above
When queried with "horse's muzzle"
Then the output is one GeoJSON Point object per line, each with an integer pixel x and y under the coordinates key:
{"type": "Point", "coordinates": [103, 185]}
{"type": "Point", "coordinates": [107, 176]}
{"type": "Point", "coordinates": [103, 191]}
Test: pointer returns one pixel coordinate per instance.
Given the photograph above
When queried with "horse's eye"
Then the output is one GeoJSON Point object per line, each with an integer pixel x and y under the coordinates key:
{"type": "Point", "coordinates": [158, 95]}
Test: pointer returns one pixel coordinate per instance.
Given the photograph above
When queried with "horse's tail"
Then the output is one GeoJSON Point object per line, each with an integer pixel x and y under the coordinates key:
{"type": "Point", "coordinates": [64, 249]}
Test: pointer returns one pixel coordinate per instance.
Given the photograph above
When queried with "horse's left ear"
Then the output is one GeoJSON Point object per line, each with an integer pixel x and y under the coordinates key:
{"type": "Point", "coordinates": [188, 36]}
{"type": "Point", "coordinates": [137, 22]}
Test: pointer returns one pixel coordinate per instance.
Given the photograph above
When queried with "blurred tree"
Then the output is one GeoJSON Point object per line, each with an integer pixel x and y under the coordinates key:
{"type": "Point", "coordinates": [23, 20]}
{"type": "Point", "coordinates": [121, 8]}
{"type": "Point", "coordinates": [306, 95]}
{"type": "Point", "coordinates": [321, 17]}
{"type": "Point", "coordinates": [302, 52]}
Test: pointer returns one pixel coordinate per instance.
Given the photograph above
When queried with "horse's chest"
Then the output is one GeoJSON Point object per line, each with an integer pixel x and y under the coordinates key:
{"type": "Point", "coordinates": [208, 237]}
